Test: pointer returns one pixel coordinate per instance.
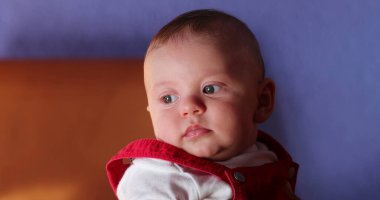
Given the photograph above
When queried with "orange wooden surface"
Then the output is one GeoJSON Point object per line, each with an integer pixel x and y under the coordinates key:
{"type": "Point", "coordinates": [61, 120]}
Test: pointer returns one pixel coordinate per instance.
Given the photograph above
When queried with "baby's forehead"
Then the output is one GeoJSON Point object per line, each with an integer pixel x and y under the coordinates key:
{"type": "Point", "coordinates": [238, 56]}
{"type": "Point", "coordinates": [233, 65]}
{"type": "Point", "coordinates": [223, 47]}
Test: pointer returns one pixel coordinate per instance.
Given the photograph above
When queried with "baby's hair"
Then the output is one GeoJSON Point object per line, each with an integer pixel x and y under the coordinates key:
{"type": "Point", "coordinates": [225, 30]}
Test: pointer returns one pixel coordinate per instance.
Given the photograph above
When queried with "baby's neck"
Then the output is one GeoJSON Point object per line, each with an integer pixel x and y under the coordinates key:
{"type": "Point", "coordinates": [255, 155]}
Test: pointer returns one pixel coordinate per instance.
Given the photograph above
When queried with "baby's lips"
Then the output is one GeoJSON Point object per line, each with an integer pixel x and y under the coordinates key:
{"type": "Point", "coordinates": [195, 130]}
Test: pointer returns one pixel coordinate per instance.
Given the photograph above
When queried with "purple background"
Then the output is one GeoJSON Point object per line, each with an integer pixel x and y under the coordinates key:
{"type": "Point", "coordinates": [323, 54]}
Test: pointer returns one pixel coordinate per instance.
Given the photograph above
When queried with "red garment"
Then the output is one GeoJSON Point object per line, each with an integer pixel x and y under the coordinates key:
{"type": "Point", "coordinates": [270, 181]}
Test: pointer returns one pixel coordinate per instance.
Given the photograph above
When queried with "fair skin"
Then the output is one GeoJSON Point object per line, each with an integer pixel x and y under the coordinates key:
{"type": "Point", "coordinates": [200, 101]}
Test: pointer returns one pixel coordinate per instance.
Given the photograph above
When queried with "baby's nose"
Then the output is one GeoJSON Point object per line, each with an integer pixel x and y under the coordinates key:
{"type": "Point", "coordinates": [192, 106]}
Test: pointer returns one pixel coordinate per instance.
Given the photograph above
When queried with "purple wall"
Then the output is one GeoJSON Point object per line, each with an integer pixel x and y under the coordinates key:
{"type": "Point", "coordinates": [323, 54]}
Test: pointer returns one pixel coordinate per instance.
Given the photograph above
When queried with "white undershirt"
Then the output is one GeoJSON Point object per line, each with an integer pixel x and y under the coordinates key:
{"type": "Point", "coordinates": [153, 179]}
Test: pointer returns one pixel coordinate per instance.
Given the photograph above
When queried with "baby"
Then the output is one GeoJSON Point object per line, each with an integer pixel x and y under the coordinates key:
{"type": "Point", "coordinates": [207, 92]}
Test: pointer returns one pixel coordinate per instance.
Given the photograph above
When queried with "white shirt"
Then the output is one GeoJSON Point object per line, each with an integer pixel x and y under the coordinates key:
{"type": "Point", "coordinates": [155, 179]}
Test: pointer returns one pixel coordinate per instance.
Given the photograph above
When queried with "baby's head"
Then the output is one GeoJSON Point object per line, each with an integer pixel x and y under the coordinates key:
{"type": "Point", "coordinates": [205, 83]}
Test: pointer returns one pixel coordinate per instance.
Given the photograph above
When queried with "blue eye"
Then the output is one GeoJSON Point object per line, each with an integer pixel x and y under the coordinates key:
{"type": "Point", "coordinates": [167, 99]}
{"type": "Point", "coordinates": [210, 89]}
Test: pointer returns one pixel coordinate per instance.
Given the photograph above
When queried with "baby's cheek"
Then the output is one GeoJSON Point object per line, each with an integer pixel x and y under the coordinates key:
{"type": "Point", "coordinates": [164, 128]}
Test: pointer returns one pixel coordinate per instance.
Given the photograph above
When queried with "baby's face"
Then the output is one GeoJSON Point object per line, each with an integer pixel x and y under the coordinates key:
{"type": "Point", "coordinates": [198, 101]}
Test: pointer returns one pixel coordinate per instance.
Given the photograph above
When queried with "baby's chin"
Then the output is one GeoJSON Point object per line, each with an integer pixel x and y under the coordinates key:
{"type": "Point", "coordinates": [209, 153]}
{"type": "Point", "coordinates": [203, 150]}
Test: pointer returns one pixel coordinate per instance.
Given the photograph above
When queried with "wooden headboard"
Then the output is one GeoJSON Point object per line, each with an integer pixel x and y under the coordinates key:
{"type": "Point", "coordinates": [60, 122]}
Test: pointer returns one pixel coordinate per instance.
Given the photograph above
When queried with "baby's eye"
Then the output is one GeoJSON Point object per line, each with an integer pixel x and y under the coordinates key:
{"type": "Point", "coordinates": [167, 99]}
{"type": "Point", "coordinates": [210, 89]}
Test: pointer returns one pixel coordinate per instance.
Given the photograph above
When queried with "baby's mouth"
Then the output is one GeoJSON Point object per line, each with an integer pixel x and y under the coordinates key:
{"type": "Point", "coordinates": [195, 131]}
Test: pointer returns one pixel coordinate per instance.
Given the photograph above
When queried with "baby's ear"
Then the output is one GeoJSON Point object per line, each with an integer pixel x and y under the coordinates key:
{"type": "Point", "coordinates": [265, 96]}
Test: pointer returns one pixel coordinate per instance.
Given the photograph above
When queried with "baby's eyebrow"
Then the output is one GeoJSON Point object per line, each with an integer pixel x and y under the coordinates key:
{"type": "Point", "coordinates": [162, 84]}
